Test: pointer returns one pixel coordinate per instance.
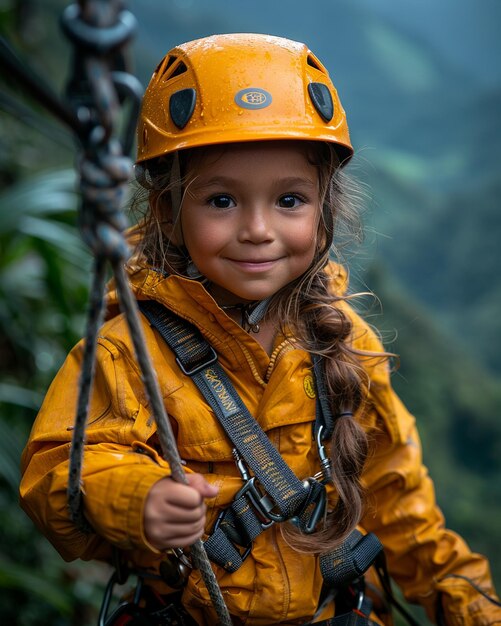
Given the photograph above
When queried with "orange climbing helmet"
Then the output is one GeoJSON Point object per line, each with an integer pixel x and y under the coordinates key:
{"type": "Point", "coordinates": [239, 87]}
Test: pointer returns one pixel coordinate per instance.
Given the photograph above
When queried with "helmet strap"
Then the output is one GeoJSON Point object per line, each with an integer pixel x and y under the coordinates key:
{"type": "Point", "coordinates": [192, 270]}
{"type": "Point", "coordinates": [251, 314]}
{"type": "Point", "coordinates": [176, 195]}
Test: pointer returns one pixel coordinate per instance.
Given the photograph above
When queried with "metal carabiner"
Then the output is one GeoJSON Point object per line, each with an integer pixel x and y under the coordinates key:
{"type": "Point", "coordinates": [258, 497]}
{"type": "Point", "coordinates": [260, 502]}
{"type": "Point", "coordinates": [325, 473]}
{"type": "Point", "coordinates": [125, 608]}
{"type": "Point", "coordinates": [319, 507]}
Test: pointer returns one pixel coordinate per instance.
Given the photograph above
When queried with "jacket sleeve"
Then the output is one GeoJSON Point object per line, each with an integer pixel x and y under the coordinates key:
{"type": "Point", "coordinates": [429, 562]}
{"type": "Point", "coordinates": [119, 467]}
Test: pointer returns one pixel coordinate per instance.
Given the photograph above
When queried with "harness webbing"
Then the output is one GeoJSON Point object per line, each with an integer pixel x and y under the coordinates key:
{"type": "Point", "coordinates": [351, 560]}
{"type": "Point", "coordinates": [239, 524]}
{"type": "Point", "coordinates": [324, 413]}
{"type": "Point", "coordinates": [198, 360]}
{"type": "Point", "coordinates": [273, 493]}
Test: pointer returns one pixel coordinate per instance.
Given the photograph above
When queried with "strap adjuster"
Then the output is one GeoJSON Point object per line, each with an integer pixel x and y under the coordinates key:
{"type": "Point", "coordinates": [259, 499]}
{"type": "Point", "coordinates": [246, 549]}
{"type": "Point", "coordinates": [212, 358]}
{"type": "Point", "coordinates": [261, 503]}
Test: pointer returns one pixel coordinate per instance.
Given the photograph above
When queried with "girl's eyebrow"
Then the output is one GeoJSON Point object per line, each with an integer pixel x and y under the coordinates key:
{"type": "Point", "coordinates": [227, 181]}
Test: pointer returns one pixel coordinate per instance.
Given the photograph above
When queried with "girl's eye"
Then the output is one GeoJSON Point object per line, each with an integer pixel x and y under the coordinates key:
{"type": "Point", "coordinates": [290, 201]}
{"type": "Point", "coordinates": [222, 201]}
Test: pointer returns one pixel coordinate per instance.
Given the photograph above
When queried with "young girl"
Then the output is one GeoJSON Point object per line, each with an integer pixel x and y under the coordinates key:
{"type": "Point", "coordinates": [242, 143]}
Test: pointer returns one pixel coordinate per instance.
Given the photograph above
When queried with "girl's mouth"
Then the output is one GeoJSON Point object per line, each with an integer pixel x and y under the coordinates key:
{"type": "Point", "coordinates": [254, 264]}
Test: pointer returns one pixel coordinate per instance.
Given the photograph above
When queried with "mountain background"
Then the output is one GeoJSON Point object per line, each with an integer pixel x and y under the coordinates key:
{"type": "Point", "coordinates": [421, 84]}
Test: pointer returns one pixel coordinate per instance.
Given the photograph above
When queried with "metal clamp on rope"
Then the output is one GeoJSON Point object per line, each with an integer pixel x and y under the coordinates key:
{"type": "Point", "coordinates": [176, 568]}
{"type": "Point", "coordinates": [101, 40]}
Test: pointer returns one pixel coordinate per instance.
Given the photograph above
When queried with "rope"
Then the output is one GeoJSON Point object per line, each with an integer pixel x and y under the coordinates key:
{"type": "Point", "coordinates": [165, 434]}
{"type": "Point", "coordinates": [94, 320]}
{"type": "Point", "coordinates": [98, 30]}
{"type": "Point", "coordinates": [104, 174]}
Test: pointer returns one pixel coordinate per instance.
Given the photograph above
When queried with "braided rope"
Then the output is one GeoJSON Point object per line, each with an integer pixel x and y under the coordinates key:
{"type": "Point", "coordinates": [94, 320]}
{"type": "Point", "coordinates": [165, 434]}
{"type": "Point", "coordinates": [104, 174]}
{"type": "Point", "coordinates": [98, 29]}
{"type": "Point", "coordinates": [102, 222]}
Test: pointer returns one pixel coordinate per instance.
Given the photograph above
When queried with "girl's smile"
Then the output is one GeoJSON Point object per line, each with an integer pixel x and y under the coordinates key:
{"type": "Point", "coordinates": [249, 217]}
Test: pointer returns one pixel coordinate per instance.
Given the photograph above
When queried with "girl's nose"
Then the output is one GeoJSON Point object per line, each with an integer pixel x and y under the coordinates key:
{"type": "Point", "coordinates": [255, 225]}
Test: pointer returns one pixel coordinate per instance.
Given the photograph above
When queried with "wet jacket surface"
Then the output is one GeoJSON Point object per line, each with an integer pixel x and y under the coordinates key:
{"type": "Point", "coordinates": [275, 585]}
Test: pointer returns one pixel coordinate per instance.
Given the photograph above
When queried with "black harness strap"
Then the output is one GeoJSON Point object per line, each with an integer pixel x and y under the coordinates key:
{"type": "Point", "coordinates": [254, 507]}
{"type": "Point", "coordinates": [324, 416]}
{"type": "Point", "coordinates": [351, 560]}
{"type": "Point", "coordinates": [273, 493]}
{"type": "Point", "coordinates": [197, 359]}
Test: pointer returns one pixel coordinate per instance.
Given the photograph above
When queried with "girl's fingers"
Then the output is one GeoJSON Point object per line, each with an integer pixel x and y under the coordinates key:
{"type": "Point", "coordinates": [205, 489]}
{"type": "Point", "coordinates": [168, 535]}
{"type": "Point", "coordinates": [183, 496]}
{"type": "Point", "coordinates": [181, 515]}
{"type": "Point", "coordinates": [174, 513]}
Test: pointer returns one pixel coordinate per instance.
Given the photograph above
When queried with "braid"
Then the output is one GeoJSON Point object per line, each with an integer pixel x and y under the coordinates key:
{"type": "Point", "coordinates": [315, 317]}
{"type": "Point", "coordinates": [324, 329]}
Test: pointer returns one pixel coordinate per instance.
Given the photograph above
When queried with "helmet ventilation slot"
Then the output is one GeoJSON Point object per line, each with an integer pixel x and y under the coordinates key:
{"type": "Point", "coordinates": [315, 63]}
{"type": "Point", "coordinates": [172, 68]}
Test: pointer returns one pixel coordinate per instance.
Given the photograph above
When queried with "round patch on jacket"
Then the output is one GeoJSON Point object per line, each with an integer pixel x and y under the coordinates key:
{"type": "Point", "coordinates": [309, 386]}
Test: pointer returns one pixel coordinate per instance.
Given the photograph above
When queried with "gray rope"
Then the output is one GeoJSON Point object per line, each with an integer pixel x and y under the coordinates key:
{"type": "Point", "coordinates": [165, 434]}
{"type": "Point", "coordinates": [101, 221]}
{"type": "Point", "coordinates": [94, 321]}
{"type": "Point", "coordinates": [108, 242]}
{"type": "Point", "coordinates": [98, 28]}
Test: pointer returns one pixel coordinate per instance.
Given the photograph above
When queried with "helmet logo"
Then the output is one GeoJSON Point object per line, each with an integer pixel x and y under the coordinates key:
{"type": "Point", "coordinates": [253, 98]}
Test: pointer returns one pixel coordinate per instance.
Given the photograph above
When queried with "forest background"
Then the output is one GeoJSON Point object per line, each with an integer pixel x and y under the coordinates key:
{"type": "Point", "coordinates": [421, 84]}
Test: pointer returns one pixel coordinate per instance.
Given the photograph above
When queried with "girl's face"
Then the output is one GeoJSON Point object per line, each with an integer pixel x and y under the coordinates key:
{"type": "Point", "coordinates": [249, 217]}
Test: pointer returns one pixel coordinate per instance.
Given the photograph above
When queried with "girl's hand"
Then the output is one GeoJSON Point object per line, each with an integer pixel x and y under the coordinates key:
{"type": "Point", "coordinates": [174, 514]}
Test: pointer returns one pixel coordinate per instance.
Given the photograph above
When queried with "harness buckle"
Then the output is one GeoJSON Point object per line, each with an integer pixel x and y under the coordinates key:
{"type": "Point", "coordinates": [212, 358]}
{"type": "Point", "coordinates": [261, 503]}
{"type": "Point", "coordinates": [258, 497]}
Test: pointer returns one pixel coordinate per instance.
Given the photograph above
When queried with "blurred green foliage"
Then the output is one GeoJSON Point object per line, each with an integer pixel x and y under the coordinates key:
{"type": "Point", "coordinates": [43, 294]}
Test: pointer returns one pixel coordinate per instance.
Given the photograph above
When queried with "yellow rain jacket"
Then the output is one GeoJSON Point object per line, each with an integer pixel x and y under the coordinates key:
{"type": "Point", "coordinates": [275, 585]}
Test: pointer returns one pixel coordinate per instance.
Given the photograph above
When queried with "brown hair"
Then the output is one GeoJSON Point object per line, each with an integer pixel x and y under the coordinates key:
{"type": "Point", "coordinates": [310, 311]}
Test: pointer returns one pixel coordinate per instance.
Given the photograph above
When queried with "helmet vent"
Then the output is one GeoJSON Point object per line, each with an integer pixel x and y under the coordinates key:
{"type": "Point", "coordinates": [163, 67]}
{"type": "Point", "coordinates": [181, 106]}
{"type": "Point", "coordinates": [173, 69]}
{"type": "Point", "coordinates": [322, 100]}
{"type": "Point", "coordinates": [314, 62]}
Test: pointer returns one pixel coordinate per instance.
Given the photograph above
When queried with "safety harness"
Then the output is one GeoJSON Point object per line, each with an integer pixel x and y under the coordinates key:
{"type": "Point", "coordinates": [272, 493]}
